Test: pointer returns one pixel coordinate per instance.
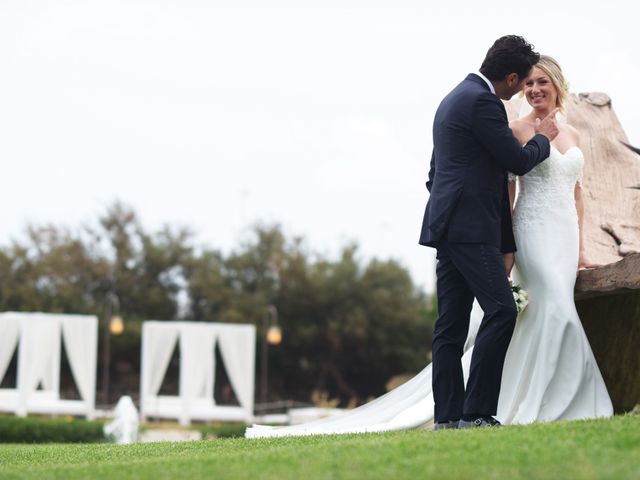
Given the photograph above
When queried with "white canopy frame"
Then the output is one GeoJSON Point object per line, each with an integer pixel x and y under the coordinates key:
{"type": "Point", "coordinates": [197, 341]}
{"type": "Point", "coordinates": [38, 338]}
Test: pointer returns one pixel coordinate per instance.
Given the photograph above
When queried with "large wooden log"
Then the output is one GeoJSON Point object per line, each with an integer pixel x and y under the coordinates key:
{"type": "Point", "coordinates": [612, 208]}
{"type": "Point", "coordinates": [608, 303]}
{"type": "Point", "coordinates": [608, 299]}
{"type": "Point", "coordinates": [616, 278]}
{"type": "Point", "coordinates": [612, 324]}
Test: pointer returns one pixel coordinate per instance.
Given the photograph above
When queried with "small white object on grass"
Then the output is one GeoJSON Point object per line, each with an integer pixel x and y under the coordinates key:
{"type": "Point", "coordinates": [124, 427]}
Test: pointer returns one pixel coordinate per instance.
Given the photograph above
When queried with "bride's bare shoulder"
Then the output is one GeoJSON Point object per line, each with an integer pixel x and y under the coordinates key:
{"type": "Point", "coordinates": [573, 132]}
{"type": "Point", "coordinates": [522, 130]}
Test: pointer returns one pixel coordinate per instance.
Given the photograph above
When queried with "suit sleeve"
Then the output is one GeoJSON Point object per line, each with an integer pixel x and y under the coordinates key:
{"type": "Point", "coordinates": [432, 170]}
{"type": "Point", "coordinates": [491, 128]}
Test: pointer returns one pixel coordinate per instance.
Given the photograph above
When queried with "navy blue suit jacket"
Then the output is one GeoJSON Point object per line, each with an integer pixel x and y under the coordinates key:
{"type": "Point", "coordinates": [473, 149]}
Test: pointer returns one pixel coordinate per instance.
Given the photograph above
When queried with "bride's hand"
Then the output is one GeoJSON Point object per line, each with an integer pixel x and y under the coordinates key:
{"type": "Point", "coordinates": [509, 260]}
{"type": "Point", "coordinates": [585, 264]}
{"type": "Point", "coordinates": [548, 126]}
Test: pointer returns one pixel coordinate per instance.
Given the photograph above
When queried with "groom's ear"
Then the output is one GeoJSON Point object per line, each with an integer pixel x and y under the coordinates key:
{"type": "Point", "coordinates": [512, 79]}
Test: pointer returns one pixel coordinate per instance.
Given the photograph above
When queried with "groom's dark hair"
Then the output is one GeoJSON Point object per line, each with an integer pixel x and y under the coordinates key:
{"type": "Point", "coordinates": [509, 54]}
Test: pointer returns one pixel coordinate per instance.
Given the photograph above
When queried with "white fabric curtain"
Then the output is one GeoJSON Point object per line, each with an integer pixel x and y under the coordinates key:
{"type": "Point", "coordinates": [50, 370]}
{"type": "Point", "coordinates": [197, 342]}
{"type": "Point", "coordinates": [210, 374]}
{"type": "Point", "coordinates": [196, 364]}
{"type": "Point", "coordinates": [80, 335]}
{"type": "Point", "coordinates": [37, 354]}
{"type": "Point", "coordinates": [9, 334]}
{"type": "Point", "coordinates": [237, 347]}
{"type": "Point", "coordinates": [158, 343]}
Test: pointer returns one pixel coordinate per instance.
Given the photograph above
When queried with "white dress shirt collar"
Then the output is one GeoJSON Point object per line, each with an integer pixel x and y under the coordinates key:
{"type": "Point", "coordinates": [493, 90]}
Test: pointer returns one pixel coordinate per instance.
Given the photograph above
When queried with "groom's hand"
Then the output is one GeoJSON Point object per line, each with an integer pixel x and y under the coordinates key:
{"type": "Point", "coordinates": [548, 126]}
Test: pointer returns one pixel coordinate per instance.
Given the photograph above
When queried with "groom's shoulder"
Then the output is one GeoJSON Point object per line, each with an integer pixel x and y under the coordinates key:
{"type": "Point", "coordinates": [467, 92]}
{"type": "Point", "coordinates": [472, 85]}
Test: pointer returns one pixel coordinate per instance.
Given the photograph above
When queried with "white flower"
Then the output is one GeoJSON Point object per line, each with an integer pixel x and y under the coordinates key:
{"type": "Point", "coordinates": [520, 296]}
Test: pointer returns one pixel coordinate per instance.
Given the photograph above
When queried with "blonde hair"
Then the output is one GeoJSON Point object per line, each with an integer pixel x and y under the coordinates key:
{"type": "Point", "coordinates": [551, 68]}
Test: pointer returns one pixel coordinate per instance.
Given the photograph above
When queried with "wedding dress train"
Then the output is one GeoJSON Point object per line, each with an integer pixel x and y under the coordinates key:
{"type": "Point", "coordinates": [550, 372]}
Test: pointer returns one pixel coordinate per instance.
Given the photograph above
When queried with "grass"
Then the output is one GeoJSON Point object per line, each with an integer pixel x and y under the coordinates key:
{"type": "Point", "coordinates": [607, 448]}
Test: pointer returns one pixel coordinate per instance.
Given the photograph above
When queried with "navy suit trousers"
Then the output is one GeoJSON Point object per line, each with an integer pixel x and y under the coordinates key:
{"type": "Point", "coordinates": [465, 271]}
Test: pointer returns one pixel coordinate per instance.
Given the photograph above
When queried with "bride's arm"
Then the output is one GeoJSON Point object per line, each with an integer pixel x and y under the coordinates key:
{"type": "Point", "coordinates": [583, 261]}
{"type": "Point", "coordinates": [512, 194]}
{"type": "Point", "coordinates": [509, 258]}
{"type": "Point", "coordinates": [580, 210]}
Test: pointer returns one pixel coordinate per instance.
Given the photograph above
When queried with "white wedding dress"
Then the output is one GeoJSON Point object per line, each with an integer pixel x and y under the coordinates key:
{"type": "Point", "coordinates": [550, 372]}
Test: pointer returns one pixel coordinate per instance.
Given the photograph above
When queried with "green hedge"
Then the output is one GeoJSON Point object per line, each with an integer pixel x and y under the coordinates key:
{"type": "Point", "coordinates": [223, 430]}
{"type": "Point", "coordinates": [42, 430]}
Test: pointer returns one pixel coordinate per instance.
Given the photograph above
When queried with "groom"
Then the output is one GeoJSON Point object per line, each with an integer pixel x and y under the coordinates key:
{"type": "Point", "coordinates": [468, 221]}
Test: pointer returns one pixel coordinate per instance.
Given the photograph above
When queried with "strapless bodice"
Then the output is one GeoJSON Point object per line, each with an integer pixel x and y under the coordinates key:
{"type": "Point", "coordinates": [548, 189]}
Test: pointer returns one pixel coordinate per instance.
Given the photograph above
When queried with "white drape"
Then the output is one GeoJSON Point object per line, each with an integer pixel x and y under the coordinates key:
{"type": "Point", "coordinates": [237, 347]}
{"type": "Point", "coordinates": [80, 334]}
{"type": "Point", "coordinates": [37, 354]}
{"type": "Point", "coordinates": [196, 360]}
{"type": "Point", "coordinates": [197, 342]}
{"type": "Point", "coordinates": [158, 342]}
{"type": "Point", "coordinates": [39, 350]}
{"type": "Point", "coordinates": [9, 334]}
{"type": "Point", "coordinates": [210, 374]}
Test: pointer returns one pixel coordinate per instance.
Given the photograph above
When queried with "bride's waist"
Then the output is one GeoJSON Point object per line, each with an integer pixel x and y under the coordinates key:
{"type": "Point", "coordinates": [557, 204]}
{"type": "Point", "coordinates": [558, 214]}
{"type": "Point", "coordinates": [547, 196]}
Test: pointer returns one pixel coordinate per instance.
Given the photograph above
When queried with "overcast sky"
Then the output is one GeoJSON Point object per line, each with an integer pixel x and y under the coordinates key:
{"type": "Point", "coordinates": [217, 114]}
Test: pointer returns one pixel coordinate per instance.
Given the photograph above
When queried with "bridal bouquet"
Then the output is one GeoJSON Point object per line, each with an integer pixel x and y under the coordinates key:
{"type": "Point", "coordinates": [520, 295]}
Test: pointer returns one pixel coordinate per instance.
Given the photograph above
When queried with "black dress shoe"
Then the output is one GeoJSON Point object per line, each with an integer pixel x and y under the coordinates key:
{"type": "Point", "coordinates": [480, 422]}
{"type": "Point", "coordinates": [446, 425]}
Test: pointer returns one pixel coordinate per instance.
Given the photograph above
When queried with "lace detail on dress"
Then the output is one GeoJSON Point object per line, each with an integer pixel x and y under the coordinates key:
{"type": "Point", "coordinates": [548, 189]}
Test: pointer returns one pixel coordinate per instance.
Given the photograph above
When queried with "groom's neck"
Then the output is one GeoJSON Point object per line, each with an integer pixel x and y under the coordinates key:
{"type": "Point", "coordinates": [503, 91]}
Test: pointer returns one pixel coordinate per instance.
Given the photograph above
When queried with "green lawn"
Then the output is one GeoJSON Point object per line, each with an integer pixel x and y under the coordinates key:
{"type": "Point", "coordinates": [588, 449]}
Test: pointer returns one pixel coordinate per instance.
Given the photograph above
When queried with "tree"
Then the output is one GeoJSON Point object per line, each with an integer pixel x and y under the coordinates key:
{"type": "Point", "coordinates": [349, 328]}
{"type": "Point", "coordinates": [147, 271]}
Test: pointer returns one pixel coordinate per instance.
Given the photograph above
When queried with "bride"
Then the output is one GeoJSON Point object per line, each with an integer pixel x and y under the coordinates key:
{"type": "Point", "coordinates": [550, 372]}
